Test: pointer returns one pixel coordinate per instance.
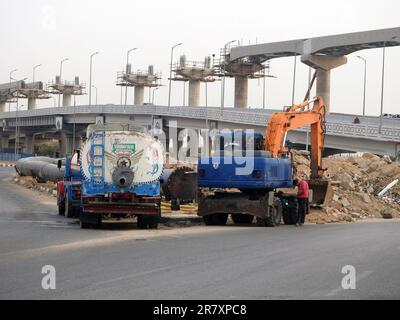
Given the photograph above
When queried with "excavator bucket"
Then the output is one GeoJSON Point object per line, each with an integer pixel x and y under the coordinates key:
{"type": "Point", "coordinates": [322, 192]}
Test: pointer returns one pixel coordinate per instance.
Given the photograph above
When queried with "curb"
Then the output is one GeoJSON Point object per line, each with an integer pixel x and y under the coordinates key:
{"type": "Point", "coordinates": [3, 165]}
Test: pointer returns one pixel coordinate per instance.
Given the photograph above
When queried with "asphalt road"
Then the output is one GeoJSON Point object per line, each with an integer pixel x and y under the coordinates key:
{"type": "Point", "coordinates": [233, 262]}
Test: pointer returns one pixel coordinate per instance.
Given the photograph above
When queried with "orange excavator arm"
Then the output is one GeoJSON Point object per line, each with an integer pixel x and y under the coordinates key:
{"type": "Point", "coordinates": [295, 117]}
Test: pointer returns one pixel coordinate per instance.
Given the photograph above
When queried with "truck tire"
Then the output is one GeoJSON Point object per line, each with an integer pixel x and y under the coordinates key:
{"type": "Point", "coordinates": [275, 216]}
{"type": "Point", "coordinates": [242, 218]}
{"type": "Point", "coordinates": [69, 210]}
{"type": "Point", "coordinates": [216, 219]}
{"type": "Point", "coordinates": [175, 205]}
{"type": "Point", "coordinates": [84, 225]}
{"type": "Point", "coordinates": [289, 211]}
{"type": "Point", "coordinates": [148, 222]}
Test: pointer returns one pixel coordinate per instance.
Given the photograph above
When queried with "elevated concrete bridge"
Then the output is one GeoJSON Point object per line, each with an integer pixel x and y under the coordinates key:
{"type": "Point", "coordinates": [341, 133]}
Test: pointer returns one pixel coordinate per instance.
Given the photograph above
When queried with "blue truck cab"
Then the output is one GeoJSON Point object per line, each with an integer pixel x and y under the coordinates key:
{"type": "Point", "coordinates": [69, 189]}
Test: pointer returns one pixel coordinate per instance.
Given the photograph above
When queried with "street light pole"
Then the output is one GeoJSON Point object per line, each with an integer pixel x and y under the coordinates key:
{"type": "Point", "coordinates": [11, 72]}
{"type": "Point", "coordinates": [294, 78]}
{"type": "Point", "coordinates": [365, 83]}
{"type": "Point", "coordinates": [170, 73]}
{"type": "Point", "coordinates": [90, 77]}
{"type": "Point", "coordinates": [154, 91]}
{"type": "Point", "coordinates": [223, 78]}
{"type": "Point", "coordinates": [383, 83]}
{"type": "Point", "coordinates": [61, 64]}
{"type": "Point", "coordinates": [127, 62]}
{"type": "Point", "coordinates": [34, 69]}
{"type": "Point", "coordinates": [96, 93]}
{"type": "Point", "coordinates": [382, 89]}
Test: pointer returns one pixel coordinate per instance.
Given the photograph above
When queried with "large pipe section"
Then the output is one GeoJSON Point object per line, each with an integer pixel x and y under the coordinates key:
{"type": "Point", "coordinates": [40, 168]}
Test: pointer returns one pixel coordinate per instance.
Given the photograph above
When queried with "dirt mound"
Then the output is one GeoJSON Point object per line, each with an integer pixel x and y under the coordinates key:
{"type": "Point", "coordinates": [357, 180]}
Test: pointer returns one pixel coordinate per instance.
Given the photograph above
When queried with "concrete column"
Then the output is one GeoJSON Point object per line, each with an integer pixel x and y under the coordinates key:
{"type": "Point", "coordinates": [194, 93]}
{"type": "Point", "coordinates": [29, 143]}
{"type": "Point", "coordinates": [65, 143]}
{"type": "Point", "coordinates": [139, 96]}
{"type": "Point", "coordinates": [2, 106]}
{"type": "Point", "coordinates": [31, 103]}
{"type": "Point", "coordinates": [324, 65]}
{"type": "Point", "coordinates": [66, 100]}
{"type": "Point", "coordinates": [241, 91]}
{"type": "Point", "coordinates": [4, 141]}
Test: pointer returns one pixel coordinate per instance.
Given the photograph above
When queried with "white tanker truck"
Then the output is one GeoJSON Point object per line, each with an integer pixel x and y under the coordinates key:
{"type": "Point", "coordinates": [120, 172]}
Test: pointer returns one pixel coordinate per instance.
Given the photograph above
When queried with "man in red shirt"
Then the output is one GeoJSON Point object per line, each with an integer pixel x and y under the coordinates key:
{"type": "Point", "coordinates": [302, 200]}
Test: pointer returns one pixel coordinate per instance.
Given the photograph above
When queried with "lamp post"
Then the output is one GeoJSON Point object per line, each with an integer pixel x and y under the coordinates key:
{"type": "Point", "coordinates": [383, 83]}
{"type": "Point", "coordinates": [365, 82]}
{"type": "Point", "coordinates": [16, 142]}
{"type": "Point", "coordinates": [96, 93]}
{"type": "Point", "coordinates": [34, 71]}
{"type": "Point", "coordinates": [127, 62]}
{"type": "Point", "coordinates": [294, 78]}
{"type": "Point", "coordinates": [223, 78]}
{"type": "Point", "coordinates": [170, 73]}
{"type": "Point", "coordinates": [154, 91]}
{"type": "Point", "coordinates": [90, 77]}
{"type": "Point", "coordinates": [11, 72]}
{"type": "Point", "coordinates": [61, 64]}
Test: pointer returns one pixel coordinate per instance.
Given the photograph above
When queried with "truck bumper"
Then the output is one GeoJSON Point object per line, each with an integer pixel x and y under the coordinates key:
{"type": "Point", "coordinates": [146, 206]}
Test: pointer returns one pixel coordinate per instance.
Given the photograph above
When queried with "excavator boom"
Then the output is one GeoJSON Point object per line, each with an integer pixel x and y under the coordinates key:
{"type": "Point", "coordinates": [296, 117]}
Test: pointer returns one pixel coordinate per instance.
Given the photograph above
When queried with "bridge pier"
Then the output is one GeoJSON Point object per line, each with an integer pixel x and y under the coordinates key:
{"type": "Point", "coordinates": [31, 103]}
{"type": "Point", "coordinates": [66, 99]}
{"type": "Point", "coordinates": [29, 143]}
{"type": "Point", "coordinates": [194, 93]}
{"type": "Point", "coordinates": [324, 65]}
{"type": "Point", "coordinates": [241, 91]}
{"type": "Point", "coordinates": [2, 106]}
{"type": "Point", "coordinates": [4, 141]}
{"type": "Point", "coordinates": [139, 95]}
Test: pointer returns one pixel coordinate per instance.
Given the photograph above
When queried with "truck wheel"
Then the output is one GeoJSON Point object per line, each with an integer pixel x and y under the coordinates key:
{"type": "Point", "coordinates": [216, 219]}
{"type": "Point", "coordinates": [242, 218]}
{"type": "Point", "coordinates": [84, 225]}
{"type": "Point", "coordinates": [61, 209]}
{"type": "Point", "coordinates": [175, 205]}
{"type": "Point", "coordinates": [275, 216]}
{"type": "Point", "coordinates": [69, 211]}
{"type": "Point", "coordinates": [150, 222]}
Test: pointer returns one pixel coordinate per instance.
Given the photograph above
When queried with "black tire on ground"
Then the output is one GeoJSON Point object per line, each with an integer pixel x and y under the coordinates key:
{"type": "Point", "coordinates": [216, 219]}
{"type": "Point", "coordinates": [289, 212]}
{"type": "Point", "coordinates": [175, 205]}
{"type": "Point", "coordinates": [84, 225]}
{"type": "Point", "coordinates": [69, 211]}
{"type": "Point", "coordinates": [148, 222]}
{"type": "Point", "coordinates": [275, 215]}
{"type": "Point", "coordinates": [242, 218]}
{"type": "Point", "coordinates": [61, 209]}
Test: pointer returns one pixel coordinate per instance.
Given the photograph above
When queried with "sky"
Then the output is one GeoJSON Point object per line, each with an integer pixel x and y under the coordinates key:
{"type": "Point", "coordinates": [45, 31]}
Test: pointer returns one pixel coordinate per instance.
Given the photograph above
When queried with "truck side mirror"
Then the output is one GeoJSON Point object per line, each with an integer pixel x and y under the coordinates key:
{"type": "Point", "coordinates": [59, 164]}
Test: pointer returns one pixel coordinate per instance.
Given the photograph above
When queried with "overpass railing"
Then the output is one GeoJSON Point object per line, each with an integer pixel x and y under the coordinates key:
{"type": "Point", "coordinates": [253, 117]}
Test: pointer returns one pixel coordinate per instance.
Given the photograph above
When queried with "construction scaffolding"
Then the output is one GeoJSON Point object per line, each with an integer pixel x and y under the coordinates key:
{"type": "Point", "coordinates": [139, 80]}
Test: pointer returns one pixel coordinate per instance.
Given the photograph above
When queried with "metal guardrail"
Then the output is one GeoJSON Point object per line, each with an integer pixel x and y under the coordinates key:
{"type": "Point", "coordinates": [254, 117]}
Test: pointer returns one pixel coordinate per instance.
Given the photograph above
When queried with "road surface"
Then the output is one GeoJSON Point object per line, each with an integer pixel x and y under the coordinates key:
{"type": "Point", "coordinates": [232, 262]}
